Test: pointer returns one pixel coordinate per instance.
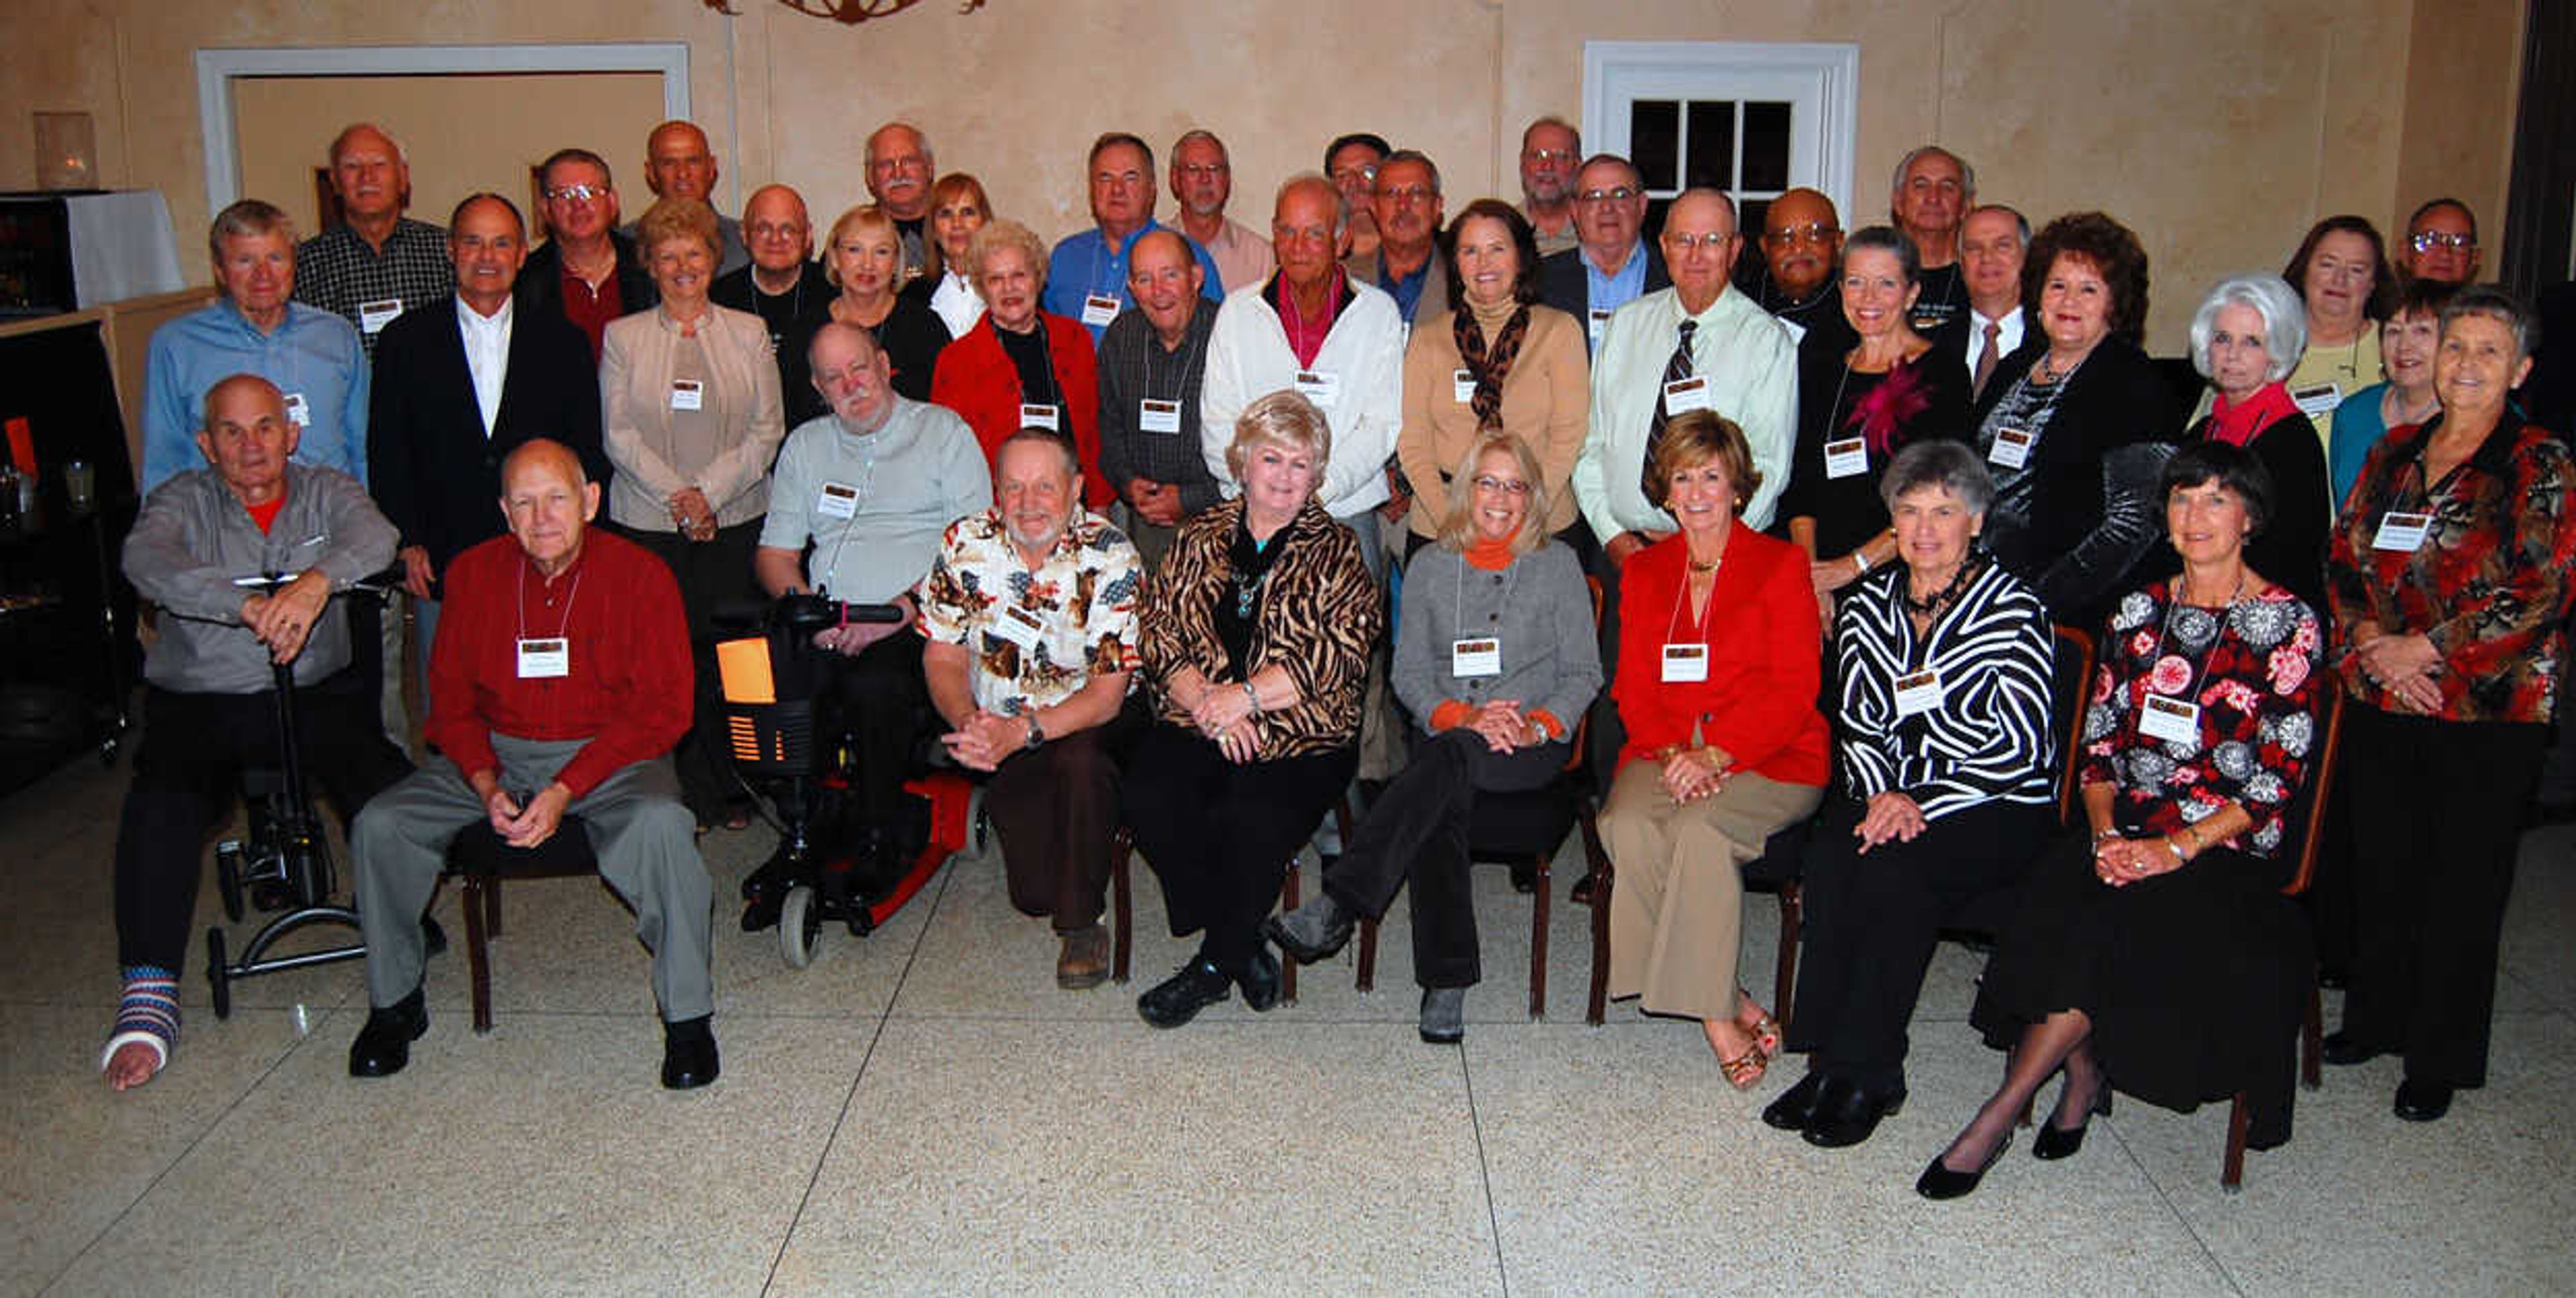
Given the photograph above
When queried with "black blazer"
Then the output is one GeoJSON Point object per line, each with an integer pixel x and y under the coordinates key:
{"type": "Point", "coordinates": [1563, 285]}
{"type": "Point", "coordinates": [540, 284]}
{"type": "Point", "coordinates": [434, 473]}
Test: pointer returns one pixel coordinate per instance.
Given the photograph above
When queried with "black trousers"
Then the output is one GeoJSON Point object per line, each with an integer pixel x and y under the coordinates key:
{"type": "Point", "coordinates": [879, 704]}
{"type": "Point", "coordinates": [1056, 809]}
{"type": "Point", "coordinates": [187, 776]}
{"type": "Point", "coordinates": [1873, 919]}
{"type": "Point", "coordinates": [2436, 822]}
{"type": "Point", "coordinates": [1417, 831]}
{"type": "Point", "coordinates": [1219, 835]}
{"type": "Point", "coordinates": [712, 575]}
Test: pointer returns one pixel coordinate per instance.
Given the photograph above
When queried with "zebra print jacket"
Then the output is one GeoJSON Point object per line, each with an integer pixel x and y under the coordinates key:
{"type": "Point", "coordinates": [1988, 736]}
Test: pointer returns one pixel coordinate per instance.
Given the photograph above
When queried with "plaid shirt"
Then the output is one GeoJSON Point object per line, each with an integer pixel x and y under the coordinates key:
{"type": "Point", "coordinates": [337, 272]}
{"type": "Point", "coordinates": [1134, 367]}
{"type": "Point", "coordinates": [1082, 602]}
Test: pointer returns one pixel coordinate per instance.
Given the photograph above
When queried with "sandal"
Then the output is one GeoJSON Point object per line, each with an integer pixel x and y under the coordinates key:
{"type": "Point", "coordinates": [1745, 1070]}
{"type": "Point", "coordinates": [1765, 1030]}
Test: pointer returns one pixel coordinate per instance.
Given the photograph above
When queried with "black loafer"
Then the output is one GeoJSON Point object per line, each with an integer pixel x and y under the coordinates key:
{"type": "Point", "coordinates": [1848, 1113]}
{"type": "Point", "coordinates": [1796, 1106]}
{"type": "Point", "coordinates": [2422, 1101]}
{"type": "Point", "coordinates": [1260, 982]}
{"type": "Point", "coordinates": [383, 1046]}
{"type": "Point", "coordinates": [689, 1054]}
{"type": "Point", "coordinates": [1938, 1182]}
{"type": "Point", "coordinates": [2054, 1142]}
{"type": "Point", "coordinates": [2341, 1050]}
{"type": "Point", "coordinates": [1178, 999]}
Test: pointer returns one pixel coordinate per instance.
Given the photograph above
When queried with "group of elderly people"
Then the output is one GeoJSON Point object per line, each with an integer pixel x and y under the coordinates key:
{"type": "Point", "coordinates": [1874, 661]}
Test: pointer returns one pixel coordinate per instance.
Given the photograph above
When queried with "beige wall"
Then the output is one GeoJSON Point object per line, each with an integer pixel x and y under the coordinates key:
{"type": "Point", "coordinates": [2218, 128]}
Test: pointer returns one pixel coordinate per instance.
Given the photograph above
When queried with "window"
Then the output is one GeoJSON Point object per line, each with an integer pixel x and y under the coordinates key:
{"type": "Point", "coordinates": [1751, 119]}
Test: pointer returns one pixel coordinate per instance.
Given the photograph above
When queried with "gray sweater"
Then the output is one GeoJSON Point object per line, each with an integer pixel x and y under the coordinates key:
{"type": "Point", "coordinates": [193, 538]}
{"type": "Point", "coordinates": [1538, 607]}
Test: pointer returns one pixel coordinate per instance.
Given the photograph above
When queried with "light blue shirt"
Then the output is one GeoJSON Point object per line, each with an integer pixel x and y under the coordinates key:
{"type": "Point", "coordinates": [312, 354]}
{"type": "Point", "coordinates": [1083, 266]}
{"type": "Point", "coordinates": [904, 483]}
{"type": "Point", "coordinates": [1611, 292]}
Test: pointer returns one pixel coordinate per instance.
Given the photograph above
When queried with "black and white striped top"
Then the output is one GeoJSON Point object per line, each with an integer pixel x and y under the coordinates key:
{"type": "Point", "coordinates": [1988, 737]}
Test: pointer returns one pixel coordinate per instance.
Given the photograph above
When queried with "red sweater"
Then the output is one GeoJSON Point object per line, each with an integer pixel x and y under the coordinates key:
{"type": "Point", "coordinates": [975, 378]}
{"type": "Point", "coordinates": [628, 687]}
{"type": "Point", "coordinates": [1764, 658]}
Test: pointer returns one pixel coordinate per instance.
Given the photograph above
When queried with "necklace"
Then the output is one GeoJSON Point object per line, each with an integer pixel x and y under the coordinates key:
{"type": "Point", "coordinates": [1931, 608]}
{"type": "Point", "coordinates": [1708, 567]}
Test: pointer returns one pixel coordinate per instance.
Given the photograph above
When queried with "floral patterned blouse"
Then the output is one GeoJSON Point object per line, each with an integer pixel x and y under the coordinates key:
{"type": "Point", "coordinates": [1038, 635]}
{"type": "Point", "coordinates": [2251, 669]}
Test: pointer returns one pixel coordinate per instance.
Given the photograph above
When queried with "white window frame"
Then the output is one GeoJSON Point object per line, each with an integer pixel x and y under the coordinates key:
{"type": "Point", "coordinates": [1618, 72]}
{"type": "Point", "coordinates": [217, 69]}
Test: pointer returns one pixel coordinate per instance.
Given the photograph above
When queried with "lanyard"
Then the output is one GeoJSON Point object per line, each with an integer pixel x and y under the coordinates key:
{"type": "Point", "coordinates": [1511, 578]}
{"type": "Point", "coordinates": [2191, 687]}
{"type": "Point", "coordinates": [1682, 596]}
{"type": "Point", "coordinates": [562, 630]}
{"type": "Point", "coordinates": [1154, 350]}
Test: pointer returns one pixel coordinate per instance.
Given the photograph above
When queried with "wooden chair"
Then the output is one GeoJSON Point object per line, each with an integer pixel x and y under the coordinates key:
{"type": "Point", "coordinates": [480, 860]}
{"type": "Point", "coordinates": [1122, 911]}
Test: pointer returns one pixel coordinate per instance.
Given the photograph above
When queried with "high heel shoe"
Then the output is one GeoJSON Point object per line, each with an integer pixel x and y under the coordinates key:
{"type": "Point", "coordinates": [2054, 1142]}
{"type": "Point", "coordinates": [1938, 1182]}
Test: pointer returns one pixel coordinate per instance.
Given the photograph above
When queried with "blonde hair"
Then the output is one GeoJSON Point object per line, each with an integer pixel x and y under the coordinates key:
{"type": "Point", "coordinates": [1458, 522]}
{"type": "Point", "coordinates": [1287, 420]}
{"type": "Point", "coordinates": [866, 216]}
{"type": "Point", "coordinates": [678, 218]}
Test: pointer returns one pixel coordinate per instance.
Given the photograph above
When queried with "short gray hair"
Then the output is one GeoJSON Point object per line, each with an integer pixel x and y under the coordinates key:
{"type": "Point", "coordinates": [2285, 322]}
{"type": "Point", "coordinates": [2492, 302]}
{"type": "Point", "coordinates": [1412, 155]}
{"type": "Point", "coordinates": [1967, 177]}
{"type": "Point", "coordinates": [1938, 462]}
{"type": "Point", "coordinates": [1341, 205]}
{"type": "Point", "coordinates": [249, 218]}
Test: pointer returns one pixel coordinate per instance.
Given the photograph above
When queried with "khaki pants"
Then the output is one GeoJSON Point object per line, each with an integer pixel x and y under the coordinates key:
{"type": "Point", "coordinates": [1676, 912]}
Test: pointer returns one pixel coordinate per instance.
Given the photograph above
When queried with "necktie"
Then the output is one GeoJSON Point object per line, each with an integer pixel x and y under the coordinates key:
{"type": "Point", "coordinates": [1986, 359]}
{"type": "Point", "coordinates": [1678, 368]}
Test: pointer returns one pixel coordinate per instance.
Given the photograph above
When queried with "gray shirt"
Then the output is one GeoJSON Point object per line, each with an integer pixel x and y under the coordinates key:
{"type": "Point", "coordinates": [903, 485]}
{"type": "Point", "coordinates": [1538, 608]}
{"type": "Point", "coordinates": [193, 538]}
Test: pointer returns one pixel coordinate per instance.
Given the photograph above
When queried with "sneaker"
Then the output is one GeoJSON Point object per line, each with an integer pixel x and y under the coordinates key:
{"type": "Point", "coordinates": [1313, 931]}
{"type": "Point", "coordinates": [1444, 1015]}
{"type": "Point", "coordinates": [1084, 962]}
{"type": "Point", "coordinates": [1178, 999]}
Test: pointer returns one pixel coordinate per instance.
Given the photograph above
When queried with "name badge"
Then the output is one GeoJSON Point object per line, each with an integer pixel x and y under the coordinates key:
{"type": "Point", "coordinates": [539, 659]}
{"type": "Point", "coordinates": [838, 500]}
{"type": "Point", "coordinates": [1476, 657]}
{"type": "Point", "coordinates": [373, 316]}
{"type": "Point", "coordinates": [1462, 385]}
{"type": "Point", "coordinates": [2171, 720]}
{"type": "Point", "coordinates": [2402, 532]}
{"type": "Point", "coordinates": [1600, 321]}
{"type": "Point", "coordinates": [1038, 417]}
{"type": "Point", "coordinates": [2318, 399]}
{"type": "Point", "coordinates": [2012, 447]}
{"type": "Point", "coordinates": [1918, 693]}
{"type": "Point", "coordinates": [1098, 311]}
{"type": "Point", "coordinates": [1682, 396]}
{"type": "Point", "coordinates": [688, 394]}
{"type": "Point", "coordinates": [1846, 459]}
{"type": "Point", "coordinates": [1019, 626]}
{"type": "Point", "coordinates": [1322, 387]}
{"type": "Point", "coordinates": [1927, 321]}
{"type": "Point", "coordinates": [1684, 663]}
{"type": "Point", "coordinates": [297, 412]}
{"type": "Point", "coordinates": [1158, 416]}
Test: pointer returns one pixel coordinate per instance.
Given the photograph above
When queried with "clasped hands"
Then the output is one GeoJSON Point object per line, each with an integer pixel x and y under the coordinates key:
{"type": "Point", "coordinates": [1505, 727]}
{"type": "Point", "coordinates": [2403, 665]}
{"type": "Point", "coordinates": [1158, 503]}
{"type": "Point", "coordinates": [284, 620]}
{"type": "Point", "coordinates": [1696, 774]}
{"type": "Point", "coordinates": [525, 826]}
{"type": "Point", "coordinates": [695, 517]}
{"type": "Point", "coordinates": [1224, 714]}
{"type": "Point", "coordinates": [1889, 815]}
{"type": "Point", "coordinates": [986, 740]}
{"type": "Point", "coordinates": [2120, 862]}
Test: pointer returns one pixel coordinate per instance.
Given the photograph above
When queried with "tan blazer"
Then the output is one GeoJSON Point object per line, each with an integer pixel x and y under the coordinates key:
{"type": "Point", "coordinates": [1547, 399]}
{"type": "Point", "coordinates": [741, 400]}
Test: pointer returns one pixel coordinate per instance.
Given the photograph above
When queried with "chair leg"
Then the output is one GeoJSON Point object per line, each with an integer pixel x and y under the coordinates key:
{"type": "Point", "coordinates": [478, 956]}
{"type": "Point", "coordinates": [1784, 982]}
{"type": "Point", "coordinates": [2312, 1033]}
{"type": "Point", "coordinates": [1604, 877]}
{"type": "Point", "coordinates": [1287, 962]}
{"type": "Point", "coordinates": [491, 889]}
{"type": "Point", "coordinates": [2231, 1173]}
{"type": "Point", "coordinates": [1368, 955]}
{"type": "Point", "coordinates": [1122, 919]}
{"type": "Point", "coordinates": [1538, 939]}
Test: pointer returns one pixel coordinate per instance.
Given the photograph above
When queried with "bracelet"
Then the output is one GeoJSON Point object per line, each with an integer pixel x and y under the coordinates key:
{"type": "Point", "coordinates": [1860, 561]}
{"type": "Point", "coordinates": [2176, 849]}
{"type": "Point", "coordinates": [1253, 697]}
{"type": "Point", "coordinates": [2101, 836]}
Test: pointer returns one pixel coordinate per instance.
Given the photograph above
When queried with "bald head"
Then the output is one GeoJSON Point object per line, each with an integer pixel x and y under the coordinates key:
{"type": "Point", "coordinates": [544, 454]}
{"type": "Point", "coordinates": [548, 501]}
{"type": "Point", "coordinates": [679, 163]}
{"type": "Point", "coordinates": [779, 233]}
{"type": "Point", "coordinates": [1802, 240]}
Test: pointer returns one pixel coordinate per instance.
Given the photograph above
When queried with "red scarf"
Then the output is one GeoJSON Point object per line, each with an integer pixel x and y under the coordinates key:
{"type": "Point", "coordinates": [2236, 424]}
{"type": "Point", "coordinates": [1491, 556]}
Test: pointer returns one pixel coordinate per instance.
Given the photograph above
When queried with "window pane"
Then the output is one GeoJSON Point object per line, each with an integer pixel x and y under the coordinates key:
{"type": "Point", "coordinates": [1654, 141]}
{"type": "Point", "coordinates": [1766, 146]}
{"type": "Point", "coordinates": [1712, 144]}
{"type": "Point", "coordinates": [1748, 222]}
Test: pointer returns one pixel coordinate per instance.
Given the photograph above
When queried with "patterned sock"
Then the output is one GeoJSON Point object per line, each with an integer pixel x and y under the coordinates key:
{"type": "Point", "coordinates": [149, 1012]}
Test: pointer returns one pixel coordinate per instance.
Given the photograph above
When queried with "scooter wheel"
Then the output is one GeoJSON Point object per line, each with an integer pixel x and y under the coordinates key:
{"type": "Point", "coordinates": [228, 879]}
{"type": "Point", "coordinates": [800, 926]}
{"type": "Point", "coordinates": [219, 973]}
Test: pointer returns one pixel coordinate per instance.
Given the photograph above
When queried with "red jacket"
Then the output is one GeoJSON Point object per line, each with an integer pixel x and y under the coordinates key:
{"type": "Point", "coordinates": [1759, 701]}
{"type": "Point", "coordinates": [976, 379]}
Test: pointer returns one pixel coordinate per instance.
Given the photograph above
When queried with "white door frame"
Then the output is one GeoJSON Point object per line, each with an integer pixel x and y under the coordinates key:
{"type": "Point", "coordinates": [216, 70]}
{"type": "Point", "coordinates": [1833, 69]}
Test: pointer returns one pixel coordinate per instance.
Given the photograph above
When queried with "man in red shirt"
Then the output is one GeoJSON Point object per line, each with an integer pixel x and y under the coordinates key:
{"type": "Point", "coordinates": [559, 683]}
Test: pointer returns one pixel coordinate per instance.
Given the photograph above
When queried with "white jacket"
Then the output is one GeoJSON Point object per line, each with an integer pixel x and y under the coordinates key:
{"type": "Point", "coordinates": [1248, 358]}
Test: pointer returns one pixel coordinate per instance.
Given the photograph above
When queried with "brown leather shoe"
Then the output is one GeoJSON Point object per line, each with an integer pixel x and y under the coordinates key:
{"type": "Point", "coordinates": [1084, 962]}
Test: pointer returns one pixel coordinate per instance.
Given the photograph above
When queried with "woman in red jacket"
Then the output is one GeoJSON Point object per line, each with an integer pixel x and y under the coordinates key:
{"type": "Point", "coordinates": [1717, 688]}
{"type": "Point", "coordinates": [1020, 367]}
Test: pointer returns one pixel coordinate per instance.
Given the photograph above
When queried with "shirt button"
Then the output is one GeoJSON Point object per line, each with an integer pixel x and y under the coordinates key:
{"type": "Point", "coordinates": [1493, 617]}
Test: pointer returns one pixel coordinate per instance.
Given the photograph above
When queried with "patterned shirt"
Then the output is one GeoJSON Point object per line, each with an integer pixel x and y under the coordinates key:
{"type": "Point", "coordinates": [1135, 368]}
{"type": "Point", "coordinates": [1988, 737]}
{"type": "Point", "coordinates": [2250, 668]}
{"type": "Point", "coordinates": [336, 271]}
{"type": "Point", "coordinates": [1040, 635]}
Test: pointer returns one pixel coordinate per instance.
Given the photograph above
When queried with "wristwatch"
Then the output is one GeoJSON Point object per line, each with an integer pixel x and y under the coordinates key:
{"type": "Point", "coordinates": [1037, 733]}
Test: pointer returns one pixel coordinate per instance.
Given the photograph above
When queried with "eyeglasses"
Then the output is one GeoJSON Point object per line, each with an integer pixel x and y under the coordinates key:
{"type": "Point", "coordinates": [1347, 174]}
{"type": "Point", "coordinates": [1619, 195]}
{"type": "Point", "coordinates": [1407, 194]}
{"type": "Point", "coordinates": [1507, 486]}
{"type": "Point", "coordinates": [576, 193]}
{"type": "Point", "coordinates": [2428, 240]}
{"type": "Point", "coordinates": [1548, 155]}
{"type": "Point", "coordinates": [1202, 168]}
{"type": "Point", "coordinates": [1713, 241]}
{"type": "Point", "coordinates": [1814, 232]}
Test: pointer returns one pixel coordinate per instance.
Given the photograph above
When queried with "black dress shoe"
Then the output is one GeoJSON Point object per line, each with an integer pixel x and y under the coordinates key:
{"type": "Point", "coordinates": [1847, 1113]}
{"type": "Point", "coordinates": [383, 1046]}
{"type": "Point", "coordinates": [1796, 1106]}
{"type": "Point", "coordinates": [2422, 1101]}
{"type": "Point", "coordinates": [689, 1054]}
{"type": "Point", "coordinates": [1938, 1182]}
{"type": "Point", "coordinates": [1260, 982]}
{"type": "Point", "coordinates": [2055, 1142]}
{"type": "Point", "coordinates": [1178, 999]}
{"type": "Point", "coordinates": [2341, 1050]}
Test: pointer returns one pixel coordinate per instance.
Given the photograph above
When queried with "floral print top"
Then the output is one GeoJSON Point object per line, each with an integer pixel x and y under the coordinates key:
{"type": "Point", "coordinates": [1038, 635]}
{"type": "Point", "coordinates": [2251, 670]}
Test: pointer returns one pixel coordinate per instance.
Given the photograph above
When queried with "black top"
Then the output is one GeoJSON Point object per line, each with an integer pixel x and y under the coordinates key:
{"type": "Point", "coordinates": [540, 283]}
{"type": "Point", "coordinates": [1944, 298]}
{"type": "Point", "coordinates": [1818, 316]}
{"type": "Point", "coordinates": [912, 336]}
{"type": "Point", "coordinates": [1835, 403]}
{"type": "Point", "coordinates": [1563, 284]}
{"type": "Point", "coordinates": [2291, 548]}
{"type": "Point", "coordinates": [1028, 353]}
{"type": "Point", "coordinates": [793, 316]}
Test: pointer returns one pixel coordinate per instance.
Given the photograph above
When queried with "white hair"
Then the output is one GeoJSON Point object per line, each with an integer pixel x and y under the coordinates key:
{"type": "Point", "coordinates": [2285, 322]}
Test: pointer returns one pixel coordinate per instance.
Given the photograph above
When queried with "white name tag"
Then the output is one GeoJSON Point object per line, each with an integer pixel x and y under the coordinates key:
{"type": "Point", "coordinates": [297, 412]}
{"type": "Point", "coordinates": [1684, 663]}
{"type": "Point", "coordinates": [1920, 692]}
{"type": "Point", "coordinates": [1158, 416]}
{"type": "Point", "coordinates": [1462, 385]}
{"type": "Point", "coordinates": [2170, 720]}
{"type": "Point", "coordinates": [1846, 459]}
{"type": "Point", "coordinates": [1018, 625]}
{"type": "Point", "coordinates": [1600, 321]}
{"type": "Point", "coordinates": [1682, 396]}
{"type": "Point", "coordinates": [838, 500]}
{"type": "Point", "coordinates": [688, 394]}
{"type": "Point", "coordinates": [373, 316]}
{"type": "Point", "coordinates": [1476, 657]}
{"type": "Point", "coordinates": [2402, 532]}
{"type": "Point", "coordinates": [1038, 417]}
{"type": "Point", "coordinates": [1323, 387]}
{"type": "Point", "coordinates": [539, 659]}
{"type": "Point", "coordinates": [2318, 399]}
{"type": "Point", "coordinates": [1098, 311]}
{"type": "Point", "coordinates": [2012, 447]}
